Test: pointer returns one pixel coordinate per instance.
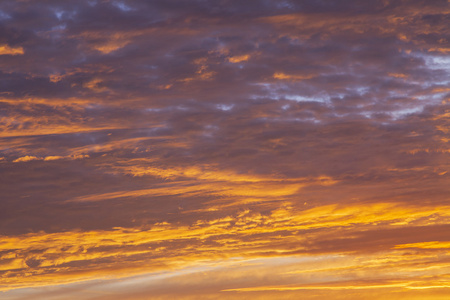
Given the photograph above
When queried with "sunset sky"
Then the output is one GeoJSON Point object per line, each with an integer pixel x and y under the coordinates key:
{"type": "Point", "coordinates": [227, 149]}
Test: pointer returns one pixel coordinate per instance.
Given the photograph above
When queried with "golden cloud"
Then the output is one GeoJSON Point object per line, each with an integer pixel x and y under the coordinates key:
{"type": "Point", "coordinates": [7, 50]}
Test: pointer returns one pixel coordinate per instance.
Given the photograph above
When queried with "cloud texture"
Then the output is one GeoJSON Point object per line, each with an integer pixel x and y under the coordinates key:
{"type": "Point", "coordinates": [224, 149]}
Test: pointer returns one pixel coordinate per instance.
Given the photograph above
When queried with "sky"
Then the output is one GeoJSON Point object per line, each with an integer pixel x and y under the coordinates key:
{"type": "Point", "coordinates": [225, 149]}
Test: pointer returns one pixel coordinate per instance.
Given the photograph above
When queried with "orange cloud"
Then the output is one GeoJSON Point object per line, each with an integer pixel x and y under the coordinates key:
{"type": "Point", "coordinates": [425, 245]}
{"type": "Point", "coordinates": [7, 50]}
{"type": "Point", "coordinates": [49, 158]}
{"type": "Point", "coordinates": [95, 85]}
{"type": "Point", "coordinates": [284, 76]}
{"type": "Point", "coordinates": [442, 50]}
{"type": "Point", "coordinates": [238, 59]}
{"type": "Point", "coordinates": [26, 158]}
{"type": "Point", "coordinates": [247, 234]}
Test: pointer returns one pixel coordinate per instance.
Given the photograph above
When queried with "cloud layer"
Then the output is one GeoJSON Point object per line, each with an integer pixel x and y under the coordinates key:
{"type": "Point", "coordinates": [263, 149]}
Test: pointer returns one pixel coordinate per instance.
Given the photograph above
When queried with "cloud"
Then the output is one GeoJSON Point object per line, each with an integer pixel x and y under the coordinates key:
{"type": "Point", "coordinates": [25, 158]}
{"type": "Point", "coordinates": [152, 138]}
{"type": "Point", "coordinates": [7, 50]}
{"type": "Point", "coordinates": [74, 255]}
